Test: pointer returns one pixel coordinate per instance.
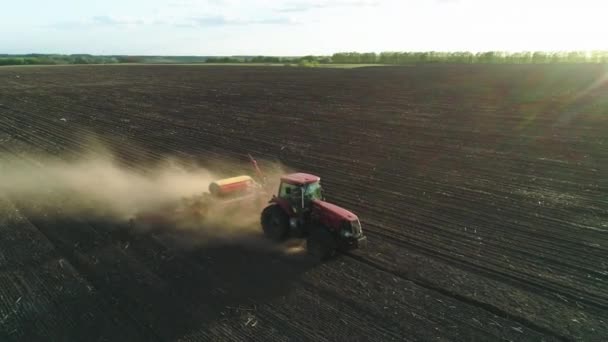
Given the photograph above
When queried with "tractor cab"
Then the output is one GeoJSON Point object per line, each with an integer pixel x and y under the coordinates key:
{"type": "Point", "coordinates": [300, 189]}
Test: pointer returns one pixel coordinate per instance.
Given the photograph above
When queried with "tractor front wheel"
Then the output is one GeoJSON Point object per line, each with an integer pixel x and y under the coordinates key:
{"type": "Point", "coordinates": [275, 223]}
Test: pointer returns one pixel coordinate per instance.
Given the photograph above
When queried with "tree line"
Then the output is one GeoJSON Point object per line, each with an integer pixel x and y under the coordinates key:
{"type": "Point", "coordinates": [497, 57]}
{"type": "Point", "coordinates": [43, 59]}
{"type": "Point", "coordinates": [395, 58]}
{"type": "Point", "coordinates": [38, 59]}
{"type": "Point", "coordinates": [271, 60]}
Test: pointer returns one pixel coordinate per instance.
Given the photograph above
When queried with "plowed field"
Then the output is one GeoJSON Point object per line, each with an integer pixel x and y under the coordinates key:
{"type": "Point", "coordinates": [482, 190]}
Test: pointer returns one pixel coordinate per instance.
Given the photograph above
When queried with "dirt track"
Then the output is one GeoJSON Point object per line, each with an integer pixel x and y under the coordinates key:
{"type": "Point", "coordinates": [481, 189]}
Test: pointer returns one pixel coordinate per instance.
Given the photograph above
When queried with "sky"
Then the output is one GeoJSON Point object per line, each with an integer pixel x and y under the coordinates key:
{"type": "Point", "coordinates": [299, 27]}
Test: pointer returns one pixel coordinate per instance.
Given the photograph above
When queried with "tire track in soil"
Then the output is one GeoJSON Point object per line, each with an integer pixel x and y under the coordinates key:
{"type": "Point", "coordinates": [431, 312]}
{"type": "Point", "coordinates": [94, 239]}
{"type": "Point", "coordinates": [468, 300]}
{"type": "Point", "coordinates": [422, 236]}
{"type": "Point", "coordinates": [49, 298]}
{"type": "Point", "coordinates": [257, 263]}
{"type": "Point", "coordinates": [430, 235]}
{"type": "Point", "coordinates": [85, 255]}
{"type": "Point", "coordinates": [123, 281]}
{"type": "Point", "coordinates": [75, 263]}
{"type": "Point", "coordinates": [515, 277]}
{"type": "Point", "coordinates": [521, 281]}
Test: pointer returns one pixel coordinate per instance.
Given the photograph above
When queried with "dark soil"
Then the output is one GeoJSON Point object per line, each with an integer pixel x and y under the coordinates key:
{"type": "Point", "coordinates": [481, 188]}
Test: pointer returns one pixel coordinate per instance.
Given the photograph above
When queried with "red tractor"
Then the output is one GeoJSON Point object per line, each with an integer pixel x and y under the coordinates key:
{"type": "Point", "coordinates": [300, 211]}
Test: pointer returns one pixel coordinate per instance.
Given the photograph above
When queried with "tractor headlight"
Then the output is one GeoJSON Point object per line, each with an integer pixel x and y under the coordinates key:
{"type": "Point", "coordinates": [356, 228]}
{"type": "Point", "coordinates": [351, 229]}
{"type": "Point", "coordinates": [347, 229]}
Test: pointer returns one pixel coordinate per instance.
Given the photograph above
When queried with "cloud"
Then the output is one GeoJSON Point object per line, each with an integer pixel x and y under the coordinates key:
{"type": "Point", "coordinates": [203, 21]}
{"type": "Point", "coordinates": [192, 3]}
{"type": "Point", "coordinates": [104, 21]}
{"type": "Point", "coordinates": [214, 21]}
{"type": "Point", "coordinates": [301, 6]}
{"type": "Point", "coordinates": [116, 21]}
{"type": "Point", "coordinates": [211, 21]}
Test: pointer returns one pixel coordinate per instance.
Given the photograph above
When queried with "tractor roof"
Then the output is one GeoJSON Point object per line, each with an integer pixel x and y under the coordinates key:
{"type": "Point", "coordinates": [300, 178]}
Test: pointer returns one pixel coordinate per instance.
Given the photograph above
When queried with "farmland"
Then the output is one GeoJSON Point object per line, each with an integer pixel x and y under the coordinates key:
{"type": "Point", "coordinates": [481, 188]}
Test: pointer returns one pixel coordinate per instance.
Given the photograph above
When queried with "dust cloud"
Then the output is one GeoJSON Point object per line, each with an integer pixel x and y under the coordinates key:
{"type": "Point", "coordinates": [170, 197]}
{"type": "Point", "coordinates": [95, 185]}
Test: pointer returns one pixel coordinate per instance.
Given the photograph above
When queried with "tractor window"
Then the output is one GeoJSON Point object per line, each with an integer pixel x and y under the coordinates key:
{"type": "Point", "coordinates": [313, 191]}
{"type": "Point", "coordinates": [287, 190]}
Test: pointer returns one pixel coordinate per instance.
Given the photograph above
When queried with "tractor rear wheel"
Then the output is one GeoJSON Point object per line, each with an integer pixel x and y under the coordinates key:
{"type": "Point", "coordinates": [275, 223]}
{"type": "Point", "coordinates": [320, 245]}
